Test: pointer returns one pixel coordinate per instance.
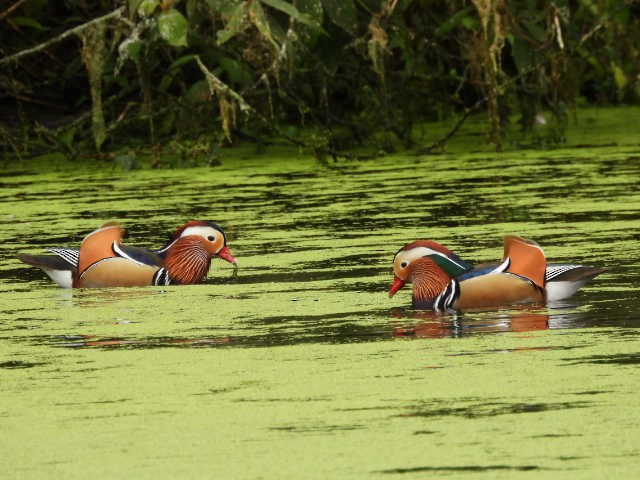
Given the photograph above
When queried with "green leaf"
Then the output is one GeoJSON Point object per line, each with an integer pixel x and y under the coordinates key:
{"type": "Point", "coordinates": [134, 49]}
{"type": "Point", "coordinates": [67, 138]}
{"type": "Point", "coordinates": [224, 7]}
{"type": "Point", "coordinates": [171, 72]}
{"type": "Point", "coordinates": [133, 6]}
{"type": "Point", "coordinates": [166, 81]}
{"type": "Point", "coordinates": [182, 60]}
{"type": "Point", "coordinates": [463, 18]}
{"type": "Point", "coordinates": [343, 13]}
{"type": "Point", "coordinates": [198, 93]}
{"type": "Point", "coordinates": [173, 28]}
{"type": "Point", "coordinates": [147, 7]}
{"type": "Point", "coordinates": [292, 11]}
{"type": "Point", "coordinates": [27, 22]}
{"type": "Point", "coordinates": [234, 26]}
{"type": "Point", "coordinates": [523, 54]}
{"type": "Point", "coordinates": [534, 25]}
{"type": "Point", "coordinates": [619, 77]}
{"type": "Point", "coordinates": [237, 72]}
{"type": "Point", "coordinates": [311, 8]}
{"type": "Point", "coordinates": [259, 19]}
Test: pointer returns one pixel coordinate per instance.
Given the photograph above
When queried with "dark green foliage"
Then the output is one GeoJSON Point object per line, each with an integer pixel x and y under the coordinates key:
{"type": "Point", "coordinates": [330, 75]}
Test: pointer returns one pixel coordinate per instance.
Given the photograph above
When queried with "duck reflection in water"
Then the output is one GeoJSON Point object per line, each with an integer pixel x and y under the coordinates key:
{"type": "Point", "coordinates": [457, 324]}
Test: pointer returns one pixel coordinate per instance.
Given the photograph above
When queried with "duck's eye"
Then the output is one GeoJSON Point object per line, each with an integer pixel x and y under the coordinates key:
{"type": "Point", "coordinates": [404, 264]}
{"type": "Point", "coordinates": [211, 238]}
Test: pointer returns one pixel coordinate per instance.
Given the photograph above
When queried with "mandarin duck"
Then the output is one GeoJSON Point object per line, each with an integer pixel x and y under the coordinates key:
{"type": "Point", "coordinates": [103, 261]}
{"type": "Point", "coordinates": [443, 281]}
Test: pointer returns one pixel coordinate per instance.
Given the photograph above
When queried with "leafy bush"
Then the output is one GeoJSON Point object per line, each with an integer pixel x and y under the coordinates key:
{"type": "Point", "coordinates": [329, 75]}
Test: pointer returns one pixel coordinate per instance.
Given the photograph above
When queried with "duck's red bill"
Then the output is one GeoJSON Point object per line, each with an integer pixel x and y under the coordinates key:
{"type": "Point", "coordinates": [225, 254]}
{"type": "Point", "coordinates": [396, 285]}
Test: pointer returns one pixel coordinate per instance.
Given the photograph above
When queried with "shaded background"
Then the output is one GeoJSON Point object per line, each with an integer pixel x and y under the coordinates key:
{"type": "Point", "coordinates": [327, 75]}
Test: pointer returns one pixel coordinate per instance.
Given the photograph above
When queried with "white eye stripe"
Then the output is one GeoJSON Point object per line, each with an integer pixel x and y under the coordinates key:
{"type": "Point", "coordinates": [415, 253]}
{"type": "Point", "coordinates": [408, 256]}
{"type": "Point", "coordinates": [202, 231]}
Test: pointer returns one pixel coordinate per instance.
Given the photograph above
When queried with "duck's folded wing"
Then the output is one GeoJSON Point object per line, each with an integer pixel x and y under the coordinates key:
{"type": "Point", "coordinates": [98, 245]}
{"type": "Point", "coordinates": [483, 269]}
{"type": "Point", "coordinates": [139, 255]}
{"type": "Point", "coordinates": [526, 259]}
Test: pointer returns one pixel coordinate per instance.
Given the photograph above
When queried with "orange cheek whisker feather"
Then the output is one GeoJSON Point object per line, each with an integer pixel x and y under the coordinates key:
{"type": "Point", "coordinates": [188, 261]}
{"type": "Point", "coordinates": [428, 281]}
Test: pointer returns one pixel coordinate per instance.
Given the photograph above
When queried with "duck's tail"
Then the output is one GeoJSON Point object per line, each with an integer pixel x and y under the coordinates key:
{"type": "Point", "coordinates": [57, 268]}
{"type": "Point", "coordinates": [565, 280]}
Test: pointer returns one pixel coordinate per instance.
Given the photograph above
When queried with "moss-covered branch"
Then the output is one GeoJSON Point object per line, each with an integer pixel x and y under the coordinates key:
{"type": "Point", "coordinates": [117, 14]}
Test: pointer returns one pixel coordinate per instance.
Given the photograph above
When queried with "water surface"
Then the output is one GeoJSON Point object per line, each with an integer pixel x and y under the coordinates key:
{"type": "Point", "coordinates": [301, 367]}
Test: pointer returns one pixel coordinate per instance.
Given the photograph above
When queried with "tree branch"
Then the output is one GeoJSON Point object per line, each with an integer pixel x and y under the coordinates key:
{"type": "Point", "coordinates": [74, 31]}
{"type": "Point", "coordinates": [9, 10]}
{"type": "Point", "coordinates": [439, 144]}
{"type": "Point", "coordinates": [220, 87]}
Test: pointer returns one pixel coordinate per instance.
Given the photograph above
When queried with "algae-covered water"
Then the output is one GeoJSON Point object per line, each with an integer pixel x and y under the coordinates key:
{"type": "Point", "coordinates": [302, 367]}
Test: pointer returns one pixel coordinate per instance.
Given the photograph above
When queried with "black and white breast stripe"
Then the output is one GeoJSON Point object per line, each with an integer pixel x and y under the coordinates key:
{"type": "Point", "coordinates": [70, 255]}
{"type": "Point", "coordinates": [447, 297]}
{"type": "Point", "coordinates": [161, 277]}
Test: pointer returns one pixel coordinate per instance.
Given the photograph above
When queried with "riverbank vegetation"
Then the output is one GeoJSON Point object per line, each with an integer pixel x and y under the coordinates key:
{"type": "Point", "coordinates": [329, 76]}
